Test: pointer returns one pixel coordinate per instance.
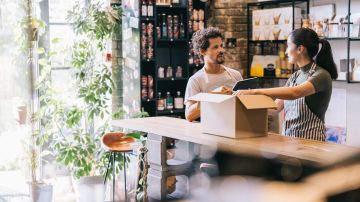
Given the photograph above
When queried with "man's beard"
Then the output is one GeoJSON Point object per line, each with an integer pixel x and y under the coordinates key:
{"type": "Point", "coordinates": [220, 59]}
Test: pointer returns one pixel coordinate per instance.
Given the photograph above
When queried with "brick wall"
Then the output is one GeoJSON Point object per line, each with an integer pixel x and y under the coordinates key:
{"type": "Point", "coordinates": [230, 17]}
{"type": "Point", "coordinates": [116, 66]}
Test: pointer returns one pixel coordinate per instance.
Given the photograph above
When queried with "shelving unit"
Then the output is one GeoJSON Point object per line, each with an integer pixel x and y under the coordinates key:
{"type": "Point", "coordinates": [349, 40]}
{"type": "Point", "coordinates": [280, 3]}
{"type": "Point", "coordinates": [169, 52]}
{"type": "Point", "coordinates": [263, 43]}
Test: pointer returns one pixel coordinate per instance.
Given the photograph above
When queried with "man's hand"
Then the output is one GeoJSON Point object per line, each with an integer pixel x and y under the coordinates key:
{"type": "Point", "coordinates": [222, 90]}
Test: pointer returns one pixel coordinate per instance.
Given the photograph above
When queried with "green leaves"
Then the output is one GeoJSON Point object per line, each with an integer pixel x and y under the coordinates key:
{"type": "Point", "coordinates": [73, 116]}
{"type": "Point", "coordinates": [136, 135]}
{"type": "Point", "coordinates": [95, 92]}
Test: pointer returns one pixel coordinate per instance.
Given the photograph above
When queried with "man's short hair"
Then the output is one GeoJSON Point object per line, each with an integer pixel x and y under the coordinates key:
{"type": "Point", "coordinates": [200, 39]}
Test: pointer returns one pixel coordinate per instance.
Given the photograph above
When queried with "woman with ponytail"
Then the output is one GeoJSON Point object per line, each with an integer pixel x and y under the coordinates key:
{"type": "Point", "coordinates": [306, 95]}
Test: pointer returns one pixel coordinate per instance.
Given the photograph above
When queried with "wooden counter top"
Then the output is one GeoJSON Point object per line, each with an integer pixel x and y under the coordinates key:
{"type": "Point", "coordinates": [271, 146]}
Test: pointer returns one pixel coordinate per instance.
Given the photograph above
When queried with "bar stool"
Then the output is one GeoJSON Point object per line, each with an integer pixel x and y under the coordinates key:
{"type": "Point", "coordinates": [115, 142]}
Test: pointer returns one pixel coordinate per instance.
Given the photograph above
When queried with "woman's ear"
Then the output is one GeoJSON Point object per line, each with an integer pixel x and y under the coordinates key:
{"type": "Point", "coordinates": [300, 49]}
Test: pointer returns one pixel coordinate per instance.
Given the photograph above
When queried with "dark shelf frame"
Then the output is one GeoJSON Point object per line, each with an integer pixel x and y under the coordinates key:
{"type": "Point", "coordinates": [146, 66]}
{"type": "Point", "coordinates": [169, 112]}
{"type": "Point", "coordinates": [349, 40]}
{"type": "Point", "coordinates": [172, 79]}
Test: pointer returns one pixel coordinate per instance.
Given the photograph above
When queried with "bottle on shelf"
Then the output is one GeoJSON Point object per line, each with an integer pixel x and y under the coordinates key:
{"type": "Point", "coordinates": [160, 105]}
{"type": "Point", "coordinates": [191, 59]}
{"type": "Point", "coordinates": [175, 2]}
{"type": "Point", "coordinates": [176, 27]}
{"type": "Point", "coordinates": [179, 72]}
{"type": "Point", "coordinates": [144, 9]}
{"type": "Point", "coordinates": [169, 101]}
{"type": "Point", "coordinates": [164, 33]}
{"type": "Point", "coordinates": [170, 26]}
{"type": "Point", "coordinates": [179, 101]}
{"type": "Point", "coordinates": [356, 71]}
{"type": "Point", "coordinates": [144, 94]}
{"type": "Point", "coordinates": [150, 84]}
{"type": "Point", "coordinates": [151, 93]}
{"type": "Point", "coordinates": [150, 8]}
{"type": "Point", "coordinates": [158, 27]}
{"type": "Point", "coordinates": [169, 72]}
{"type": "Point", "coordinates": [182, 27]}
{"type": "Point", "coordinates": [161, 72]}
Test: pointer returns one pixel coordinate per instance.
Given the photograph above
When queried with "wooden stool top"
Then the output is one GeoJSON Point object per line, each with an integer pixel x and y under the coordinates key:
{"type": "Point", "coordinates": [116, 142]}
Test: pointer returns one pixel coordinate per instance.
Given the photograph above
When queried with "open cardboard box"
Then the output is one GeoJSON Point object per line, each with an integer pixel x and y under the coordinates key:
{"type": "Point", "coordinates": [234, 116]}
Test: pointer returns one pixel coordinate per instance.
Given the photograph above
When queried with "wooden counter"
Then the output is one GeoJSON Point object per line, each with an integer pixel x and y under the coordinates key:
{"type": "Point", "coordinates": [273, 150]}
{"type": "Point", "coordinates": [274, 146]}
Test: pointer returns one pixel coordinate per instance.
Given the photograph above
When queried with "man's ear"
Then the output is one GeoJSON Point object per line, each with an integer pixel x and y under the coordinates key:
{"type": "Point", "coordinates": [202, 51]}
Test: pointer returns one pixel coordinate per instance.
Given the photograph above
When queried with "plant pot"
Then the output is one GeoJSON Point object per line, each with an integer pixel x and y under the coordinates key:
{"type": "Point", "coordinates": [22, 114]}
{"type": "Point", "coordinates": [41, 192]}
{"type": "Point", "coordinates": [89, 189]}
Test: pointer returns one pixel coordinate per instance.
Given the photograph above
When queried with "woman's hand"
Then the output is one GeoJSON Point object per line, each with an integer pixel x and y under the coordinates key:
{"type": "Point", "coordinates": [244, 92]}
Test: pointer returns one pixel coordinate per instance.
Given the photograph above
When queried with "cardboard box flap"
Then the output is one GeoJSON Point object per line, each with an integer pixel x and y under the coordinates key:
{"type": "Point", "coordinates": [208, 97]}
{"type": "Point", "coordinates": [257, 102]}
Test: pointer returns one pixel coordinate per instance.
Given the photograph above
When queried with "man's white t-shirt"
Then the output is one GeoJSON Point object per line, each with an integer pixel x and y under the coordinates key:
{"type": "Point", "coordinates": [202, 82]}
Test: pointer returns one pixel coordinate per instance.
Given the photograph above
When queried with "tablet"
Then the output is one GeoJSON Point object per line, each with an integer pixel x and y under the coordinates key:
{"type": "Point", "coordinates": [245, 84]}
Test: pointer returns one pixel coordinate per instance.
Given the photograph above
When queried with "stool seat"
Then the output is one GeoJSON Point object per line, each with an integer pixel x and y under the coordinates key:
{"type": "Point", "coordinates": [116, 142]}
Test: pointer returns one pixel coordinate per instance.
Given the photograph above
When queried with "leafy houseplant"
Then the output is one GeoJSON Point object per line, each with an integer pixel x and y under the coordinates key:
{"type": "Point", "coordinates": [72, 126]}
{"type": "Point", "coordinates": [69, 127]}
{"type": "Point", "coordinates": [32, 28]}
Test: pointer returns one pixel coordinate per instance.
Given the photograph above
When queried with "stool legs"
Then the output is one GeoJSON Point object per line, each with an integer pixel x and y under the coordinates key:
{"type": "Point", "coordinates": [112, 158]}
{"type": "Point", "coordinates": [114, 167]}
{"type": "Point", "coordinates": [125, 176]}
{"type": "Point", "coordinates": [107, 168]}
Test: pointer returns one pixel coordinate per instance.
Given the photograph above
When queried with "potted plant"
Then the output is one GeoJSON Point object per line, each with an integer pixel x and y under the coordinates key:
{"type": "Point", "coordinates": [32, 27]}
{"type": "Point", "coordinates": [73, 127]}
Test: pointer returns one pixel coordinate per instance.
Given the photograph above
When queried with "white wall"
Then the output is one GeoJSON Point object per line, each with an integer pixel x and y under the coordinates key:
{"type": "Point", "coordinates": [352, 111]}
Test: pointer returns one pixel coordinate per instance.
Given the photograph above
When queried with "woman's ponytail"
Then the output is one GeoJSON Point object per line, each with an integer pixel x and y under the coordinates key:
{"type": "Point", "coordinates": [325, 59]}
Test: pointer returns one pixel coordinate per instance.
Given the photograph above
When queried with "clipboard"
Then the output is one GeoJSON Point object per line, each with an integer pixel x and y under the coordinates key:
{"type": "Point", "coordinates": [245, 84]}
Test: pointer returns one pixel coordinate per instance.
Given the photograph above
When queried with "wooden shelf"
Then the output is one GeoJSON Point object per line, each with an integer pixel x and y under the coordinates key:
{"type": "Point", "coordinates": [171, 40]}
{"type": "Point", "coordinates": [168, 112]}
{"type": "Point", "coordinates": [172, 6]}
{"type": "Point", "coordinates": [172, 79]}
{"type": "Point", "coordinates": [196, 65]}
{"type": "Point", "coordinates": [147, 60]}
{"type": "Point", "coordinates": [351, 81]}
{"type": "Point", "coordinates": [336, 38]}
{"type": "Point", "coordinates": [147, 19]}
{"type": "Point", "coordinates": [270, 77]}
{"type": "Point", "coordinates": [270, 3]}
{"type": "Point", "coordinates": [355, 39]}
{"type": "Point", "coordinates": [268, 41]}
{"type": "Point", "coordinates": [148, 100]}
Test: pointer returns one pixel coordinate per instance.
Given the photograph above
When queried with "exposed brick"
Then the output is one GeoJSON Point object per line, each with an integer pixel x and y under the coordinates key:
{"type": "Point", "coordinates": [234, 65]}
{"type": "Point", "coordinates": [231, 58]}
{"type": "Point", "coordinates": [230, 17]}
{"type": "Point", "coordinates": [235, 35]}
{"type": "Point", "coordinates": [221, 19]}
{"type": "Point", "coordinates": [237, 19]}
{"type": "Point", "coordinates": [230, 3]}
{"type": "Point", "coordinates": [114, 44]}
{"type": "Point", "coordinates": [241, 27]}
